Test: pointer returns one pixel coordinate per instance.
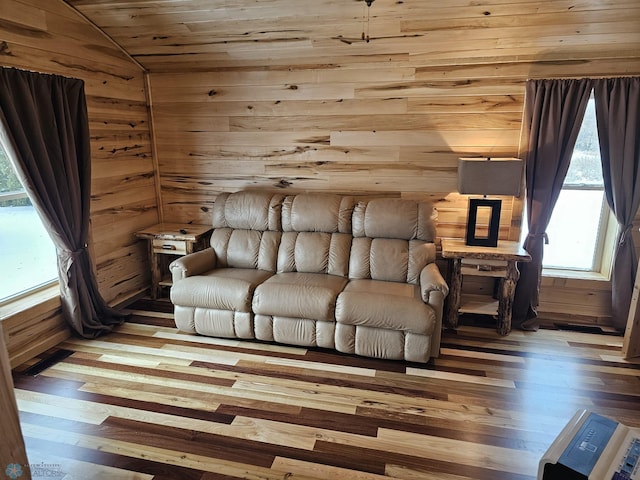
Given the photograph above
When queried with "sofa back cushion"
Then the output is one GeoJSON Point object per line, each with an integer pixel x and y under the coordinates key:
{"type": "Point", "coordinates": [317, 234]}
{"type": "Point", "coordinates": [247, 229]}
{"type": "Point", "coordinates": [317, 212]}
{"type": "Point", "coordinates": [393, 239]}
{"type": "Point", "coordinates": [395, 218]}
{"type": "Point", "coordinates": [248, 210]}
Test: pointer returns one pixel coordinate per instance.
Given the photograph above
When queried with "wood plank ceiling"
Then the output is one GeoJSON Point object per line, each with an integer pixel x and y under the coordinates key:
{"type": "Point", "coordinates": [202, 35]}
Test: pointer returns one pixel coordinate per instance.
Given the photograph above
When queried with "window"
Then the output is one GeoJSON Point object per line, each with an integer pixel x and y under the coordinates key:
{"type": "Point", "coordinates": [582, 229]}
{"type": "Point", "coordinates": [27, 254]}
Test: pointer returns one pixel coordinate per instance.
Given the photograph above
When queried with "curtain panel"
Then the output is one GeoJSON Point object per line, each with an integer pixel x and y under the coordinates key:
{"type": "Point", "coordinates": [618, 118]}
{"type": "Point", "coordinates": [554, 110]}
{"type": "Point", "coordinates": [45, 132]}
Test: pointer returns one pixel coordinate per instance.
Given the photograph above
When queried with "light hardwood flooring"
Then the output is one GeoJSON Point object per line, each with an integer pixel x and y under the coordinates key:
{"type": "Point", "coordinates": [149, 402]}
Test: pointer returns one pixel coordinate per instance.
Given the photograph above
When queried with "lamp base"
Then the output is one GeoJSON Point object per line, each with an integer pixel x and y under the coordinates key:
{"type": "Point", "coordinates": [473, 237]}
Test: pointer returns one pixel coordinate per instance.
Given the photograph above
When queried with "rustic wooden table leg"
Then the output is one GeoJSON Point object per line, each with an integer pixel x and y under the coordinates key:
{"type": "Point", "coordinates": [455, 291]}
{"type": "Point", "coordinates": [156, 274]}
{"type": "Point", "coordinates": [505, 301]}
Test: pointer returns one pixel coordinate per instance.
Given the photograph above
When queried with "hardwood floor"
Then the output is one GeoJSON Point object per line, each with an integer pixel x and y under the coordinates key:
{"type": "Point", "coordinates": [149, 402]}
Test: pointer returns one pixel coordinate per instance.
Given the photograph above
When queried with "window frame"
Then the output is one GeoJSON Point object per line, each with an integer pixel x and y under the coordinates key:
{"type": "Point", "coordinates": [604, 250]}
{"type": "Point", "coordinates": [13, 195]}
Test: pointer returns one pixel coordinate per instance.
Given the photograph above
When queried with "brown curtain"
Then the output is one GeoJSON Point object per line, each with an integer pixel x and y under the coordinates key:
{"type": "Point", "coordinates": [618, 118]}
{"type": "Point", "coordinates": [45, 133]}
{"type": "Point", "coordinates": [553, 114]}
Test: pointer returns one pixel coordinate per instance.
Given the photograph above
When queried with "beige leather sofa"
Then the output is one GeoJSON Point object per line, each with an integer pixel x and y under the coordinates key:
{"type": "Point", "coordinates": [324, 270]}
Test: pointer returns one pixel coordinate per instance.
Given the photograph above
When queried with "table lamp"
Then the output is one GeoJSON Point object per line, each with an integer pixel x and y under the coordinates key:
{"type": "Point", "coordinates": [487, 176]}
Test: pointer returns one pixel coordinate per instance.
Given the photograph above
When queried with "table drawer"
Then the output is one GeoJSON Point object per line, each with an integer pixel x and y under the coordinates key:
{"type": "Point", "coordinates": [175, 247]}
{"type": "Point", "coordinates": [491, 268]}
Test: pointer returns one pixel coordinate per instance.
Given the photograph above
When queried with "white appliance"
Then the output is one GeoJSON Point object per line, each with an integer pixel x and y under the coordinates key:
{"type": "Point", "coordinates": [592, 447]}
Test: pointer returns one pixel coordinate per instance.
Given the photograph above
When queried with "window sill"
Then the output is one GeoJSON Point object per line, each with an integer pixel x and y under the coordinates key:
{"type": "Point", "coordinates": [574, 274]}
{"type": "Point", "coordinates": [46, 295]}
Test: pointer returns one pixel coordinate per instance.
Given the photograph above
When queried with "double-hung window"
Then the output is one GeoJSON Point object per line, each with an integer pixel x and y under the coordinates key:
{"type": "Point", "coordinates": [27, 254]}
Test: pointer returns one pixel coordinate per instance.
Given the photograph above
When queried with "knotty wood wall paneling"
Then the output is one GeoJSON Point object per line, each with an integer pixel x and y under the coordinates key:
{"type": "Point", "coordinates": [319, 109]}
{"type": "Point", "coordinates": [574, 300]}
{"type": "Point", "coordinates": [285, 95]}
{"type": "Point", "coordinates": [219, 132]}
{"type": "Point", "coordinates": [50, 37]}
{"type": "Point", "coordinates": [34, 329]}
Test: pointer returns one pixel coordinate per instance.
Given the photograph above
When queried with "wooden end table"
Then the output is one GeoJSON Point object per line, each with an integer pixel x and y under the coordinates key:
{"type": "Point", "coordinates": [498, 262]}
{"type": "Point", "coordinates": [168, 241]}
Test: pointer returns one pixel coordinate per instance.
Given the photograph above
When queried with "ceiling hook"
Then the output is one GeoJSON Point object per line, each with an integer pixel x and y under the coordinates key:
{"type": "Point", "coordinates": [368, 18]}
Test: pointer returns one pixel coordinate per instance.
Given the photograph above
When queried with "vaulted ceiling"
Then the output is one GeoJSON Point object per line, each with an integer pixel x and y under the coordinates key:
{"type": "Point", "coordinates": [200, 35]}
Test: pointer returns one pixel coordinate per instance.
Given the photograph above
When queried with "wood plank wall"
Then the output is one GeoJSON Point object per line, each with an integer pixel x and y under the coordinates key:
{"type": "Point", "coordinates": [366, 129]}
{"type": "Point", "coordinates": [50, 37]}
{"type": "Point", "coordinates": [33, 328]}
{"type": "Point", "coordinates": [388, 117]}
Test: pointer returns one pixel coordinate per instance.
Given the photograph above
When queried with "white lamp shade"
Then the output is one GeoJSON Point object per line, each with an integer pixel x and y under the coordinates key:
{"type": "Point", "coordinates": [495, 176]}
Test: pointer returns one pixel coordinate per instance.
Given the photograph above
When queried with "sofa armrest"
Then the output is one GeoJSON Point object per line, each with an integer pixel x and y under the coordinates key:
{"type": "Point", "coordinates": [193, 264]}
{"type": "Point", "coordinates": [431, 281]}
{"type": "Point", "coordinates": [434, 290]}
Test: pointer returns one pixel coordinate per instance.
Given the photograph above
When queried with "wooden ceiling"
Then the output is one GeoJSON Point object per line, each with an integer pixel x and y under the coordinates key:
{"type": "Point", "coordinates": [209, 35]}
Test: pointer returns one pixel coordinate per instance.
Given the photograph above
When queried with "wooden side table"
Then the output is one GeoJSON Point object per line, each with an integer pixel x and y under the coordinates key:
{"type": "Point", "coordinates": [498, 262]}
{"type": "Point", "coordinates": [168, 241]}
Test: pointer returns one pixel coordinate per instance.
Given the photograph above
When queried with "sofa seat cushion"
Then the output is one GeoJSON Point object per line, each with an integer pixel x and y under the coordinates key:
{"type": "Point", "coordinates": [299, 295]}
{"type": "Point", "coordinates": [295, 331]}
{"type": "Point", "coordinates": [386, 305]}
{"type": "Point", "coordinates": [220, 289]}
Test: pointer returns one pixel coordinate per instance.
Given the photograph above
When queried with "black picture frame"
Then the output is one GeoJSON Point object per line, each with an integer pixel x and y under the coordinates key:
{"type": "Point", "coordinates": [472, 237]}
